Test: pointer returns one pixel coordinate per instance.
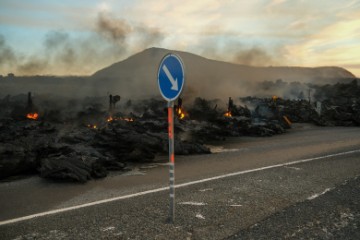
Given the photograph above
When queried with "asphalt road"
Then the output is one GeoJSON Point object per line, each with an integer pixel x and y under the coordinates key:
{"type": "Point", "coordinates": [214, 209]}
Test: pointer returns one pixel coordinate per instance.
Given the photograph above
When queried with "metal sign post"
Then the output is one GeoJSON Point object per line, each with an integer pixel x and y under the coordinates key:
{"type": "Point", "coordinates": [171, 79]}
{"type": "Point", "coordinates": [171, 161]}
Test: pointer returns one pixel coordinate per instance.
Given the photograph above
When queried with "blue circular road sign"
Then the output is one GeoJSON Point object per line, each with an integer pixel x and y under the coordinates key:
{"type": "Point", "coordinates": [171, 77]}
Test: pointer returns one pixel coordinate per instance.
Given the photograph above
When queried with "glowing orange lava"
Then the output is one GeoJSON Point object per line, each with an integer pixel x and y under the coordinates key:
{"type": "Point", "coordinates": [228, 114]}
{"type": "Point", "coordinates": [127, 119]}
{"type": "Point", "coordinates": [180, 112]}
{"type": "Point", "coordinates": [33, 116]}
{"type": "Point", "coordinates": [92, 126]}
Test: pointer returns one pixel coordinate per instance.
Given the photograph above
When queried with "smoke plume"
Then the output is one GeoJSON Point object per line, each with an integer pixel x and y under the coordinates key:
{"type": "Point", "coordinates": [254, 57]}
{"type": "Point", "coordinates": [7, 55]}
{"type": "Point", "coordinates": [64, 53]}
{"type": "Point", "coordinates": [126, 35]}
{"type": "Point", "coordinates": [33, 65]}
{"type": "Point", "coordinates": [115, 29]}
{"type": "Point", "coordinates": [237, 52]}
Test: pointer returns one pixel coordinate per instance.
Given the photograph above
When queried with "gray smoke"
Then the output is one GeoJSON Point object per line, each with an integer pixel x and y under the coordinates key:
{"type": "Point", "coordinates": [148, 37]}
{"type": "Point", "coordinates": [116, 29]}
{"type": "Point", "coordinates": [119, 31]}
{"type": "Point", "coordinates": [7, 55]}
{"type": "Point", "coordinates": [254, 57]}
{"type": "Point", "coordinates": [32, 66]}
{"type": "Point", "coordinates": [61, 49]}
{"type": "Point", "coordinates": [111, 41]}
{"type": "Point", "coordinates": [59, 52]}
{"type": "Point", "coordinates": [55, 39]}
{"type": "Point", "coordinates": [237, 52]}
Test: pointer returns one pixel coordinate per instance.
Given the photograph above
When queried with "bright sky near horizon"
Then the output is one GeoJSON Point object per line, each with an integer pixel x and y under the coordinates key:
{"type": "Point", "coordinates": [80, 37]}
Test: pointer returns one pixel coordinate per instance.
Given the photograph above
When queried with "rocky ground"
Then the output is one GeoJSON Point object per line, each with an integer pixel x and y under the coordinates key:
{"type": "Point", "coordinates": [92, 143]}
{"type": "Point", "coordinates": [79, 140]}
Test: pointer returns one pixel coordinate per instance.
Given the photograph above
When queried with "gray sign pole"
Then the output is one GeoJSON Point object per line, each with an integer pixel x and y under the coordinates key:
{"type": "Point", "coordinates": [171, 161]}
{"type": "Point", "coordinates": [171, 79]}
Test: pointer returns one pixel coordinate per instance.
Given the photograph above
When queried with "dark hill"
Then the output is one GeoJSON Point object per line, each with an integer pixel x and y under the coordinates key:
{"type": "Point", "coordinates": [137, 75]}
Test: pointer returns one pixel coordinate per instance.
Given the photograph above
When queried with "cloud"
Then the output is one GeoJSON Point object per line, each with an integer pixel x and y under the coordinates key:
{"type": "Point", "coordinates": [260, 32]}
{"type": "Point", "coordinates": [275, 3]}
{"type": "Point", "coordinates": [337, 43]}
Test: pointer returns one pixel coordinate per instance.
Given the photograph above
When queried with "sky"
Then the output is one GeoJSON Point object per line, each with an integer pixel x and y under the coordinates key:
{"type": "Point", "coordinates": [79, 37]}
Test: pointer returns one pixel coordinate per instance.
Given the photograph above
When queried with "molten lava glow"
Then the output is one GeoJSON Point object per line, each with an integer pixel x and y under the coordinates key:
{"type": "Point", "coordinates": [92, 126]}
{"type": "Point", "coordinates": [228, 114]}
{"type": "Point", "coordinates": [33, 116]}
{"type": "Point", "coordinates": [127, 119]}
{"type": "Point", "coordinates": [274, 98]}
{"type": "Point", "coordinates": [180, 113]}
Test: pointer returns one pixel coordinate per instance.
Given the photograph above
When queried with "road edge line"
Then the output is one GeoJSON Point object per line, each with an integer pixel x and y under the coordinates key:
{"type": "Point", "coordinates": [51, 212]}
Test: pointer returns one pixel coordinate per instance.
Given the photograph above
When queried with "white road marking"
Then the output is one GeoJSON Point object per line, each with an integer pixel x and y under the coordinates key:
{"type": "Point", "coordinates": [295, 168]}
{"type": "Point", "coordinates": [235, 205]}
{"type": "Point", "coordinates": [108, 229]}
{"type": "Point", "coordinates": [318, 194]}
{"type": "Point", "coordinates": [199, 216]}
{"type": "Point", "coordinates": [167, 188]}
{"type": "Point", "coordinates": [221, 149]}
{"type": "Point", "coordinates": [206, 189]}
{"type": "Point", "coordinates": [193, 203]}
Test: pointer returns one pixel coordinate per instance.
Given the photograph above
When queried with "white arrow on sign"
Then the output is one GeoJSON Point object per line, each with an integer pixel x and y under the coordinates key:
{"type": "Point", "coordinates": [173, 81]}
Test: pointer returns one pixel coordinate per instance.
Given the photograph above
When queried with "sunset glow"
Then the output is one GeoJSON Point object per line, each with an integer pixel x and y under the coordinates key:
{"type": "Point", "coordinates": [57, 38]}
